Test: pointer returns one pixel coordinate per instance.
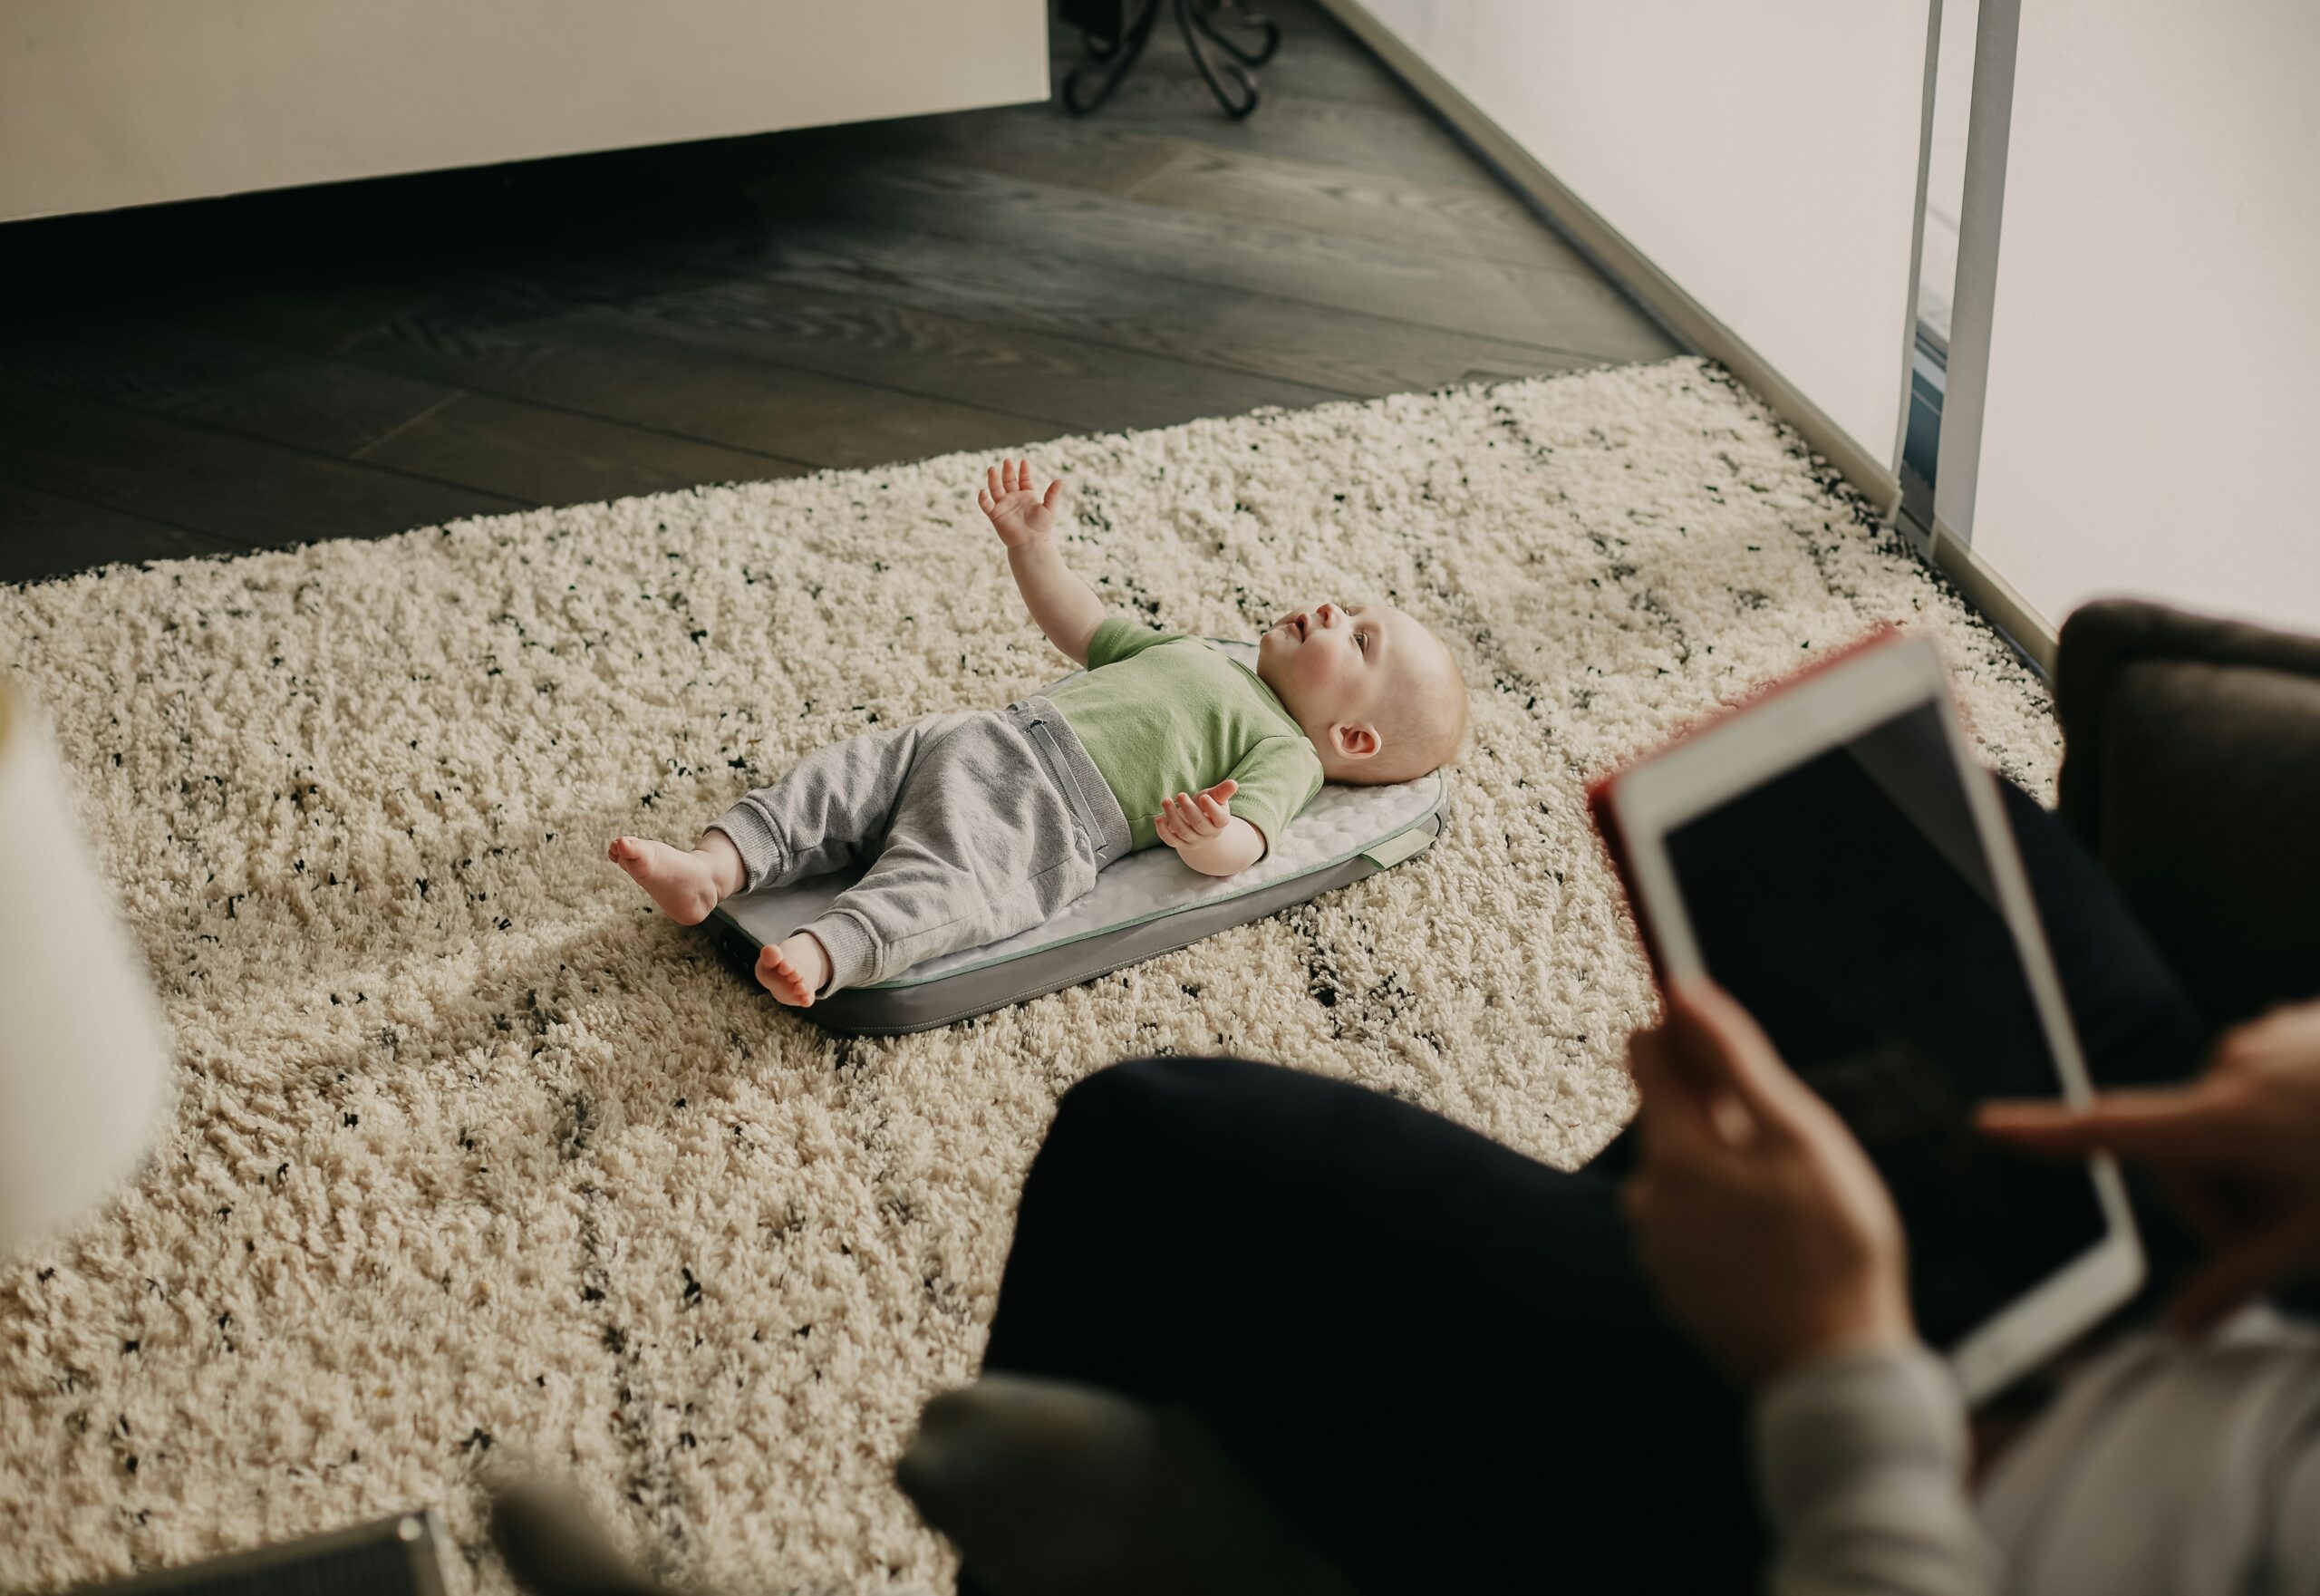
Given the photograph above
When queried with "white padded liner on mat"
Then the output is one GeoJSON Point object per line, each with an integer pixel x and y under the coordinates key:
{"type": "Point", "coordinates": [1340, 822]}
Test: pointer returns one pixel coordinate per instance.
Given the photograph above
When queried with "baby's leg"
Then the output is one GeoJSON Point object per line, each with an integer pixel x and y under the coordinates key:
{"type": "Point", "coordinates": [831, 808]}
{"type": "Point", "coordinates": [982, 844]}
{"type": "Point", "coordinates": [820, 817]}
{"type": "Point", "coordinates": [684, 886]}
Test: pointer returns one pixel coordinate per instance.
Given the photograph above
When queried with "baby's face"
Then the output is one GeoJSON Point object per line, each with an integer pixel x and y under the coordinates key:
{"type": "Point", "coordinates": [1334, 666]}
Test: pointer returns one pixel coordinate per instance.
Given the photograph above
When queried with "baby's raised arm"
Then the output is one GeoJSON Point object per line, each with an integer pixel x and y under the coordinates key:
{"type": "Point", "coordinates": [1065, 608]}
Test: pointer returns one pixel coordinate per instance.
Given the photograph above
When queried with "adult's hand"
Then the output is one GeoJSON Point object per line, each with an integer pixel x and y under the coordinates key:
{"type": "Point", "coordinates": [2238, 1149]}
{"type": "Point", "coordinates": [1758, 1216]}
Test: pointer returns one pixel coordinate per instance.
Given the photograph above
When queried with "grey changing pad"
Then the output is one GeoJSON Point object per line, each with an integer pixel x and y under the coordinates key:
{"type": "Point", "coordinates": [1147, 905]}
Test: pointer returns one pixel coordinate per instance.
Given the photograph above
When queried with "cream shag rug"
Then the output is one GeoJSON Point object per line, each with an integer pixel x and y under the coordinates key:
{"type": "Point", "coordinates": [477, 1159]}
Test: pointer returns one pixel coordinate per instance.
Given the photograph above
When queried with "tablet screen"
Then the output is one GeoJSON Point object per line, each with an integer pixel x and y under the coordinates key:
{"type": "Point", "coordinates": [1847, 903]}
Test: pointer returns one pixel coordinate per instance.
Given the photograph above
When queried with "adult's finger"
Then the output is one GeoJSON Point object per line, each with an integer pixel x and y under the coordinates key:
{"type": "Point", "coordinates": [1726, 1050]}
{"type": "Point", "coordinates": [2209, 1212]}
{"type": "Point", "coordinates": [2190, 1124]}
{"type": "Point", "coordinates": [2241, 1271]}
{"type": "Point", "coordinates": [1636, 1195]}
{"type": "Point", "coordinates": [1674, 1121]}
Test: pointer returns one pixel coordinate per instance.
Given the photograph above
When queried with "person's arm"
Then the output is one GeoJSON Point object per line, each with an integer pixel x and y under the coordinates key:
{"type": "Point", "coordinates": [2238, 1149]}
{"type": "Point", "coordinates": [1206, 834]}
{"type": "Point", "coordinates": [1065, 607]}
{"type": "Point", "coordinates": [1771, 1237]}
{"type": "Point", "coordinates": [1274, 781]}
{"type": "Point", "coordinates": [1861, 1457]}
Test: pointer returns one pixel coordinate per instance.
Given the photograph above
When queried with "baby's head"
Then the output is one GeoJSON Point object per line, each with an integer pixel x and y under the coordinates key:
{"type": "Point", "coordinates": [1378, 695]}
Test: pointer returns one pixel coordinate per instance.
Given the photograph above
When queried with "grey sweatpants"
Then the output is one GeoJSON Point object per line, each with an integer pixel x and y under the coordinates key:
{"type": "Point", "coordinates": [973, 826]}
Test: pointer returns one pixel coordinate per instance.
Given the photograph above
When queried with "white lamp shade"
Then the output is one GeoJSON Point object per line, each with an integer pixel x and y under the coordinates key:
{"type": "Point", "coordinates": [84, 1071]}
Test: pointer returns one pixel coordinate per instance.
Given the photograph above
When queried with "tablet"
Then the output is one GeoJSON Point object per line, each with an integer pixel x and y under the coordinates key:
{"type": "Point", "coordinates": [1833, 855]}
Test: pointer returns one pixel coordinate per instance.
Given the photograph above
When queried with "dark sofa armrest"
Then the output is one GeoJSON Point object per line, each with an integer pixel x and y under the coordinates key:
{"type": "Point", "coordinates": [2191, 770]}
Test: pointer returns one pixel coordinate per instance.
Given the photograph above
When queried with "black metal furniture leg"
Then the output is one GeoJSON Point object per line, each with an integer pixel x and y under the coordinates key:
{"type": "Point", "coordinates": [1235, 89]}
{"type": "Point", "coordinates": [1218, 54]}
{"type": "Point", "coordinates": [1205, 18]}
{"type": "Point", "coordinates": [1108, 61]}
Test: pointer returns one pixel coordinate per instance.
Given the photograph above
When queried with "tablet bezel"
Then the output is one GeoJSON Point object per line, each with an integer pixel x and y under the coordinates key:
{"type": "Point", "coordinates": [1788, 727]}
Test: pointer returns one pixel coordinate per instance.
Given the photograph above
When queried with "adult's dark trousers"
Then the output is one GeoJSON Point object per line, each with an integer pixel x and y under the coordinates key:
{"type": "Point", "coordinates": [1435, 1356]}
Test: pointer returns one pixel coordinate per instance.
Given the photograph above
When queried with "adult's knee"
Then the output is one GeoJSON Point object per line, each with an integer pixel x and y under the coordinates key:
{"type": "Point", "coordinates": [1146, 1101]}
{"type": "Point", "coordinates": [1134, 1123]}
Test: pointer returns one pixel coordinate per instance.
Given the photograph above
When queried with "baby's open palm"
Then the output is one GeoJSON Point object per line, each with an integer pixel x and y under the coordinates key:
{"type": "Point", "coordinates": [1018, 512]}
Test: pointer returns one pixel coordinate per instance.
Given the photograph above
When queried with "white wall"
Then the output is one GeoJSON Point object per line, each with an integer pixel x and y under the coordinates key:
{"type": "Point", "coordinates": [1765, 156]}
{"type": "Point", "coordinates": [112, 102]}
{"type": "Point", "coordinates": [2153, 390]}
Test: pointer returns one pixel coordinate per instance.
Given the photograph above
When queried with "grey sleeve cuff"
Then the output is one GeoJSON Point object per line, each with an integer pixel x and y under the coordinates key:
{"type": "Point", "coordinates": [752, 830]}
{"type": "Point", "coordinates": [1861, 1457]}
{"type": "Point", "coordinates": [853, 951]}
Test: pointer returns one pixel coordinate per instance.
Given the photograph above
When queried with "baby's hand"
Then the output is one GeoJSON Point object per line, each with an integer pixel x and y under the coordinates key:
{"type": "Point", "coordinates": [1187, 821]}
{"type": "Point", "coordinates": [1019, 514]}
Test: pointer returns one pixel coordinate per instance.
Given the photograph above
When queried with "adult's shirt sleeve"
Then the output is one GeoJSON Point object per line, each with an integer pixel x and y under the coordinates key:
{"type": "Point", "coordinates": [1861, 1459]}
{"type": "Point", "coordinates": [1120, 638]}
{"type": "Point", "coordinates": [1276, 779]}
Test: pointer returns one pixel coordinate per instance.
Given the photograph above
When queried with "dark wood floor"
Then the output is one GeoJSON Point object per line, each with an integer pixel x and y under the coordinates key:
{"type": "Point", "coordinates": [355, 359]}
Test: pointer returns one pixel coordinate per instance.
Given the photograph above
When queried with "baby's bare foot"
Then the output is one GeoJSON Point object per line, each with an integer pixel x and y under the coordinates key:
{"type": "Point", "coordinates": [683, 884]}
{"type": "Point", "coordinates": [794, 969]}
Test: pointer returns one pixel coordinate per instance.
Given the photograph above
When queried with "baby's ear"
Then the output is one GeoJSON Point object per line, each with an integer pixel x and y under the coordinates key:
{"type": "Point", "coordinates": [1355, 741]}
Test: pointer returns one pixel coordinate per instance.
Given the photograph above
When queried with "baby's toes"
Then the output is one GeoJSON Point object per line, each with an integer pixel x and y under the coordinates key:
{"type": "Point", "coordinates": [777, 976]}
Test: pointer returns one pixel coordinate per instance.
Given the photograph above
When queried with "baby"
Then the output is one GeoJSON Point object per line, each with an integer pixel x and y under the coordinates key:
{"type": "Point", "coordinates": [979, 823]}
